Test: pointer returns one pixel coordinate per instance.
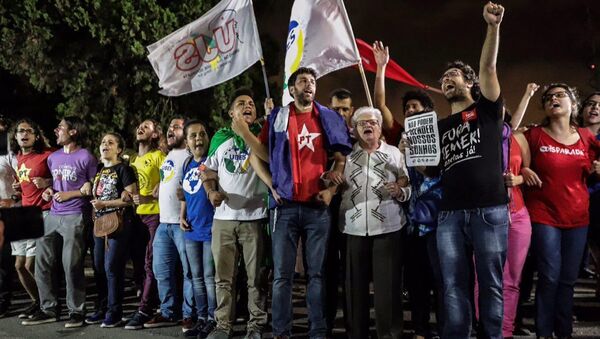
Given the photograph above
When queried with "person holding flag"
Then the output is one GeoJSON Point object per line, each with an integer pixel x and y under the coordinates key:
{"type": "Point", "coordinates": [238, 196]}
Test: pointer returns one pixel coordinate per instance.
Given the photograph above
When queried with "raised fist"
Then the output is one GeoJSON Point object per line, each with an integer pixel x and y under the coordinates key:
{"type": "Point", "coordinates": [493, 13]}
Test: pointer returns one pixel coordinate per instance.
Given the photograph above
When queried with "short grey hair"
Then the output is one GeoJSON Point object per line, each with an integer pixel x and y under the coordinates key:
{"type": "Point", "coordinates": [366, 110]}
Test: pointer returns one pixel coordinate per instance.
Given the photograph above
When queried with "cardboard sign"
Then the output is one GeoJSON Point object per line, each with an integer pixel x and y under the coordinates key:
{"type": "Point", "coordinates": [423, 136]}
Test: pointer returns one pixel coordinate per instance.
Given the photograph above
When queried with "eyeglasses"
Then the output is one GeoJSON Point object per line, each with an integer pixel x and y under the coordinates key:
{"type": "Point", "coordinates": [365, 123]}
{"type": "Point", "coordinates": [450, 74]}
{"type": "Point", "coordinates": [591, 103]}
{"type": "Point", "coordinates": [25, 131]}
{"type": "Point", "coordinates": [558, 95]}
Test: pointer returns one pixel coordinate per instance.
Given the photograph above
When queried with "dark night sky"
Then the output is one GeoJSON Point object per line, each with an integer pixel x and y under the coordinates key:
{"type": "Point", "coordinates": [541, 41]}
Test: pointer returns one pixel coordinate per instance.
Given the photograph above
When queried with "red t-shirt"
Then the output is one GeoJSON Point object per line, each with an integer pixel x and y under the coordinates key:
{"type": "Point", "coordinates": [563, 199]}
{"type": "Point", "coordinates": [30, 166]}
{"type": "Point", "coordinates": [515, 163]}
{"type": "Point", "coordinates": [393, 135]}
{"type": "Point", "coordinates": [307, 147]}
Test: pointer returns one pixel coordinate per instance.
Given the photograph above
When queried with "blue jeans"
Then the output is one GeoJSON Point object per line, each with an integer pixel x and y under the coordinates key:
{"type": "Point", "coordinates": [202, 267]}
{"type": "Point", "coordinates": [293, 221]}
{"type": "Point", "coordinates": [558, 253]}
{"type": "Point", "coordinates": [481, 233]}
{"type": "Point", "coordinates": [110, 265]}
{"type": "Point", "coordinates": [169, 247]}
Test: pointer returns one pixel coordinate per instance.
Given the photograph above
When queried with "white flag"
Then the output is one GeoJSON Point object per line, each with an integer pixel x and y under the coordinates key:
{"type": "Point", "coordinates": [320, 37]}
{"type": "Point", "coordinates": [219, 46]}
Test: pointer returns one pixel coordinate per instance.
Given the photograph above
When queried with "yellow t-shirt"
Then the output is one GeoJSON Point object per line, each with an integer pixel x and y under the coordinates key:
{"type": "Point", "coordinates": [147, 168]}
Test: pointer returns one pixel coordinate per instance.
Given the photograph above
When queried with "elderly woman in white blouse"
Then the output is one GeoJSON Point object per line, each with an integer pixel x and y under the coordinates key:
{"type": "Point", "coordinates": [371, 217]}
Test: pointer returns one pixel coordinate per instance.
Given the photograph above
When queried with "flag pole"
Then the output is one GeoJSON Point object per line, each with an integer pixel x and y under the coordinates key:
{"type": "Point", "coordinates": [364, 81]}
{"type": "Point", "coordinates": [264, 73]}
{"type": "Point", "coordinates": [433, 89]}
{"type": "Point", "coordinates": [360, 66]}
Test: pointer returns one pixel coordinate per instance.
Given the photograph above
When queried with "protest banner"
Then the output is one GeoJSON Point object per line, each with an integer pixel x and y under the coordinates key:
{"type": "Point", "coordinates": [423, 136]}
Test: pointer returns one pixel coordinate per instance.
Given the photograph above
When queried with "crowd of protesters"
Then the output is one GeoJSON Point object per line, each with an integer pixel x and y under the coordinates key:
{"type": "Point", "coordinates": [197, 213]}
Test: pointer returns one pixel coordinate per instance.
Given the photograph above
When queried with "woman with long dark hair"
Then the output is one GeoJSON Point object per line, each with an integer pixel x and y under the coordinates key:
{"type": "Point", "coordinates": [113, 187]}
{"type": "Point", "coordinates": [557, 200]}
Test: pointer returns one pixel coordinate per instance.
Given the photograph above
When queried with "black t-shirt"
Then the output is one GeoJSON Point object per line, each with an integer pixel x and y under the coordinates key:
{"type": "Point", "coordinates": [110, 182]}
{"type": "Point", "coordinates": [471, 161]}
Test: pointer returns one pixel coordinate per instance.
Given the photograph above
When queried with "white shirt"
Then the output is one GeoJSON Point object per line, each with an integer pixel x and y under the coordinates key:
{"type": "Point", "coordinates": [171, 172]}
{"type": "Point", "coordinates": [367, 208]}
{"type": "Point", "coordinates": [246, 193]}
{"type": "Point", "coordinates": [8, 164]}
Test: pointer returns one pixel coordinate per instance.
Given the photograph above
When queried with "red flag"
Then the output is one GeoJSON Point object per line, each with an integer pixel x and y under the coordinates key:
{"type": "Point", "coordinates": [393, 70]}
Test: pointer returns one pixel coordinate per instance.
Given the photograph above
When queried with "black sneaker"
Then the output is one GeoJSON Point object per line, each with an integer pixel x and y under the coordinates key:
{"type": "Point", "coordinates": [39, 317]}
{"type": "Point", "coordinates": [128, 316]}
{"type": "Point", "coordinates": [4, 309]}
{"type": "Point", "coordinates": [138, 321]}
{"type": "Point", "coordinates": [210, 326]}
{"type": "Point", "coordinates": [75, 320]}
{"type": "Point", "coordinates": [196, 329]}
{"type": "Point", "coordinates": [30, 311]}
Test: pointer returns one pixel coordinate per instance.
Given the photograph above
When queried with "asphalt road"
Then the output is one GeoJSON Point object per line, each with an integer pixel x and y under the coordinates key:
{"type": "Point", "coordinates": [587, 325]}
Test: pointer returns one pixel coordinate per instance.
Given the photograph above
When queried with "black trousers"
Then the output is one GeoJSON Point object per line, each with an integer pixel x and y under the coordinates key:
{"type": "Point", "coordinates": [7, 270]}
{"type": "Point", "coordinates": [335, 269]}
{"type": "Point", "coordinates": [422, 275]}
{"type": "Point", "coordinates": [381, 256]}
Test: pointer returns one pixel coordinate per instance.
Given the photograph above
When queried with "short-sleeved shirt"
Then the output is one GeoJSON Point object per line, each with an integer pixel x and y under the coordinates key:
{"type": "Point", "coordinates": [246, 193]}
{"type": "Point", "coordinates": [147, 168]}
{"type": "Point", "coordinates": [170, 180]}
{"type": "Point", "coordinates": [110, 182]}
{"type": "Point", "coordinates": [29, 166]}
{"type": "Point", "coordinates": [70, 171]}
{"type": "Point", "coordinates": [471, 161]}
{"type": "Point", "coordinates": [199, 210]}
{"type": "Point", "coordinates": [563, 199]}
{"type": "Point", "coordinates": [8, 163]}
{"type": "Point", "coordinates": [308, 153]}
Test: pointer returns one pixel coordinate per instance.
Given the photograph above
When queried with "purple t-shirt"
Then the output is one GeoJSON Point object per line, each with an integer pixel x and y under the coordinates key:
{"type": "Point", "coordinates": [69, 172]}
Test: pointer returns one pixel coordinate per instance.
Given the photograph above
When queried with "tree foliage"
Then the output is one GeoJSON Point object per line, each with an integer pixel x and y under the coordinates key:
{"type": "Point", "coordinates": [91, 54]}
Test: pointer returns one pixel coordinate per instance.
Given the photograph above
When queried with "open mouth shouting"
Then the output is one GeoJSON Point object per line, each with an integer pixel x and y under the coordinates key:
{"type": "Point", "coordinates": [555, 104]}
{"type": "Point", "coordinates": [170, 135]}
{"type": "Point", "coordinates": [308, 93]}
{"type": "Point", "coordinates": [198, 146]}
{"type": "Point", "coordinates": [448, 87]}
